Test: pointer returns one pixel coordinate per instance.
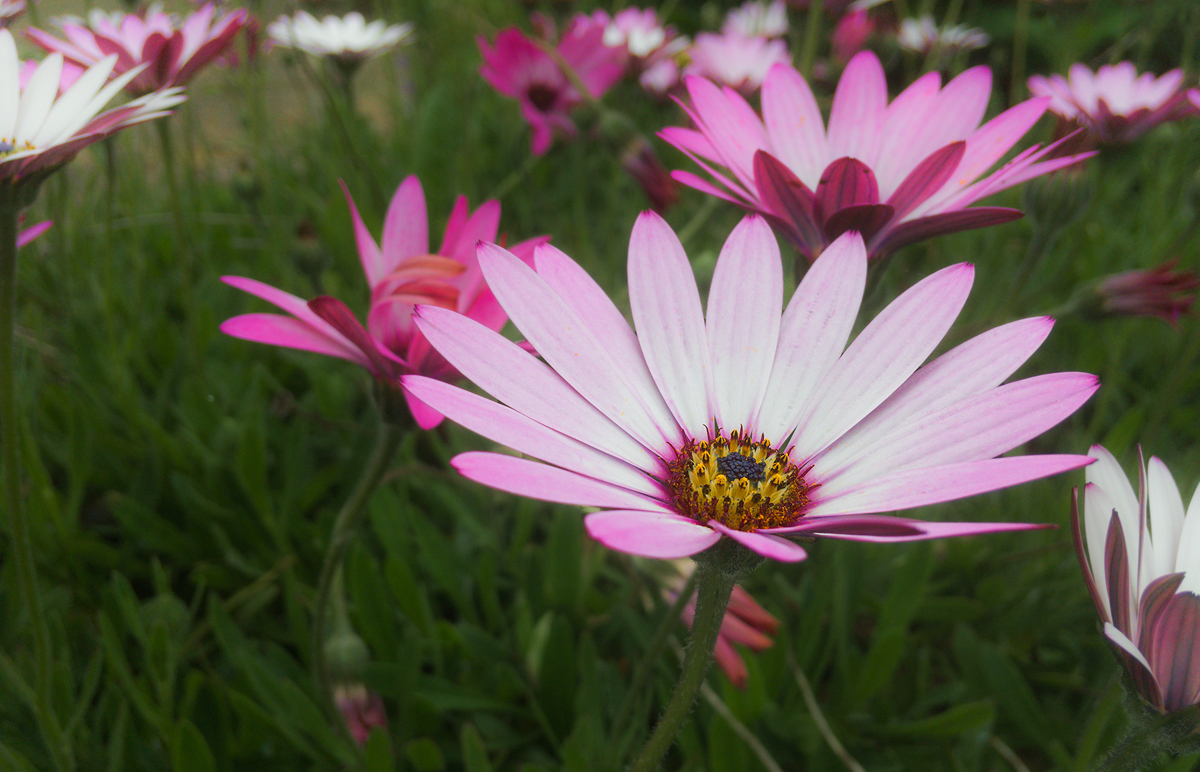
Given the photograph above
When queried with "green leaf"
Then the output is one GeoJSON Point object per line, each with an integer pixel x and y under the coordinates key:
{"type": "Point", "coordinates": [378, 752]}
{"type": "Point", "coordinates": [425, 755]}
{"type": "Point", "coordinates": [955, 721]}
{"type": "Point", "coordinates": [879, 664]}
{"type": "Point", "coordinates": [408, 594]}
{"type": "Point", "coordinates": [189, 751]}
{"type": "Point", "coordinates": [474, 752]}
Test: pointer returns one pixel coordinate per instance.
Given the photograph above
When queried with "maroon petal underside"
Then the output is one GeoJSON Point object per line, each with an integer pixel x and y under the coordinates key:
{"type": "Point", "coordinates": [867, 219]}
{"type": "Point", "coordinates": [1176, 652]}
{"type": "Point", "coordinates": [858, 525]}
{"type": "Point", "coordinates": [845, 182]}
{"type": "Point", "coordinates": [928, 178]}
{"type": "Point", "coordinates": [335, 313]}
{"type": "Point", "coordinates": [938, 224]}
{"type": "Point", "coordinates": [1116, 575]}
{"type": "Point", "coordinates": [1077, 533]}
{"type": "Point", "coordinates": [790, 202]}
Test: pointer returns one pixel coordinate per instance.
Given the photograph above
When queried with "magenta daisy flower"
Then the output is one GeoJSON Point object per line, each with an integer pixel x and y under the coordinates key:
{"type": "Point", "coordinates": [897, 173]}
{"type": "Point", "coordinates": [1114, 103]}
{"type": "Point", "coordinates": [748, 422]}
{"type": "Point", "coordinates": [1140, 576]}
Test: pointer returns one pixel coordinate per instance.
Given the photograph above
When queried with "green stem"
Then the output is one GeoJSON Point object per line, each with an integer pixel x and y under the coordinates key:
{"type": "Point", "coordinates": [348, 520]}
{"type": "Point", "coordinates": [812, 34]}
{"type": "Point", "coordinates": [514, 178]}
{"type": "Point", "coordinates": [1020, 40]}
{"type": "Point", "coordinates": [701, 216]}
{"type": "Point", "coordinates": [712, 598]}
{"type": "Point", "coordinates": [1143, 745]}
{"type": "Point", "coordinates": [168, 154]}
{"type": "Point", "coordinates": [653, 652]}
{"type": "Point", "coordinates": [22, 544]}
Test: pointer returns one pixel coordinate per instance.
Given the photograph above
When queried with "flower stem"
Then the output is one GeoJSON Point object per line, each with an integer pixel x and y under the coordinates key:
{"type": "Point", "coordinates": [168, 154]}
{"type": "Point", "coordinates": [1145, 744]}
{"type": "Point", "coordinates": [22, 544]}
{"type": "Point", "coordinates": [712, 597]}
{"type": "Point", "coordinates": [348, 520]}
{"type": "Point", "coordinates": [812, 35]}
{"type": "Point", "coordinates": [653, 651]}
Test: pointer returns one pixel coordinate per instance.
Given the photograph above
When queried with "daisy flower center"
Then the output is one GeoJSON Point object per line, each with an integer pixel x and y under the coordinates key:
{"type": "Point", "coordinates": [741, 483]}
{"type": "Point", "coordinates": [7, 147]}
{"type": "Point", "coordinates": [542, 96]}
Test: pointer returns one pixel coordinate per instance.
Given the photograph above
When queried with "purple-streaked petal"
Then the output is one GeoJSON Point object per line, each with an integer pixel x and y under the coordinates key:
{"type": "Point", "coordinates": [970, 368]}
{"type": "Point", "coordinates": [744, 305]}
{"type": "Point", "coordinates": [845, 182]}
{"type": "Point", "coordinates": [548, 483]}
{"type": "Point", "coordinates": [1081, 554]}
{"type": "Point", "coordinates": [506, 426]}
{"type": "Point", "coordinates": [670, 324]}
{"type": "Point", "coordinates": [519, 380]}
{"type": "Point", "coordinates": [650, 534]}
{"type": "Point", "coordinates": [335, 313]}
{"type": "Point", "coordinates": [1154, 600]}
{"type": "Point", "coordinates": [567, 344]}
{"type": "Point", "coordinates": [279, 330]}
{"type": "Point", "coordinates": [1097, 509]}
{"type": "Point", "coordinates": [406, 227]}
{"type": "Point", "coordinates": [1116, 572]}
{"type": "Point", "coordinates": [866, 219]}
{"type": "Point", "coordinates": [793, 122]}
{"type": "Point", "coordinates": [929, 177]}
{"type": "Point", "coordinates": [884, 529]}
{"type": "Point", "coordinates": [606, 322]}
{"type": "Point", "coordinates": [1176, 651]}
{"type": "Point", "coordinates": [368, 251]}
{"type": "Point", "coordinates": [979, 427]}
{"type": "Point", "coordinates": [765, 544]}
{"type": "Point", "coordinates": [882, 357]}
{"type": "Point", "coordinates": [788, 198]}
{"type": "Point", "coordinates": [933, 485]}
{"type": "Point", "coordinates": [859, 105]}
{"type": "Point", "coordinates": [812, 334]}
{"type": "Point", "coordinates": [911, 231]}
{"type": "Point", "coordinates": [1137, 666]}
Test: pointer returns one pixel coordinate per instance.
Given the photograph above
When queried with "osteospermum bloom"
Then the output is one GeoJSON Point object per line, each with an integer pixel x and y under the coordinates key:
{"type": "Point", "coordinates": [40, 129]}
{"type": "Point", "coordinates": [347, 38]}
{"type": "Point", "coordinates": [172, 50]}
{"type": "Point", "coordinates": [1161, 291]}
{"type": "Point", "coordinates": [638, 31]}
{"type": "Point", "coordinates": [735, 60]}
{"type": "Point", "coordinates": [518, 68]}
{"type": "Point", "coordinates": [925, 36]}
{"type": "Point", "coordinates": [747, 422]}
{"type": "Point", "coordinates": [756, 18]}
{"type": "Point", "coordinates": [400, 271]}
{"type": "Point", "coordinates": [1114, 103]}
{"type": "Point", "coordinates": [896, 173]}
{"type": "Point", "coordinates": [1142, 568]}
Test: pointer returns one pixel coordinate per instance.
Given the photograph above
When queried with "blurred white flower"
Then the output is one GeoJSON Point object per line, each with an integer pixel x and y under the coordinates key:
{"type": "Point", "coordinates": [757, 19]}
{"type": "Point", "coordinates": [923, 36]}
{"type": "Point", "coordinates": [348, 38]}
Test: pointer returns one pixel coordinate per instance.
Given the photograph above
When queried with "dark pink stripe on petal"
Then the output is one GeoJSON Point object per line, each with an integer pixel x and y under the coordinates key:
{"type": "Point", "coordinates": [936, 225]}
{"type": "Point", "coordinates": [1116, 574]}
{"type": "Point", "coordinates": [788, 199]}
{"type": "Point", "coordinates": [845, 182]}
{"type": "Point", "coordinates": [1077, 534]}
{"type": "Point", "coordinates": [1176, 639]}
{"type": "Point", "coordinates": [335, 313]}
{"type": "Point", "coordinates": [928, 178]}
{"type": "Point", "coordinates": [867, 219]}
{"type": "Point", "coordinates": [1154, 600]}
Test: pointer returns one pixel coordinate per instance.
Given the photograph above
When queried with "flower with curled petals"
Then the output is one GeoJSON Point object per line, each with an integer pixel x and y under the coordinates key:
{"type": "Point", "coordinates": [43, 125]}
{"type": "Point", "coordinates": [897, 173]}
{"type": "Point", "coordinates": [746, 422]}
{"type": "Point", "coordinates": [1115, 103]}
{"type": "Point", "coordinates": [1142, 567]}
{"type": "Point", "coordinates": [401, 272]}
{"type": "Point", "coordinates": [757, 19]}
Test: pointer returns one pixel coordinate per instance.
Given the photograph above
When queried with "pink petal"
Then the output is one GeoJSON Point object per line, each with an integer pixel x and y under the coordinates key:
{"type": "Point", "coordinates": [277, 330]}
{"type": "Point", "coordinates": [883, 356]}
{"type": "Point", "coordinates": [744, 304]}
{"type": "Point", "coordinates": [32, 232]}
{"type": "Point", "coordinates": [905, 131]}
{"type": "Point", "coordinates": [567, 344]}
{"type": "Point", "coordinates": [542, 481]}
{"type": "Point", "coordinates": [335, 313]}
{"type": "Point", "coordinates": [794, 123]}
{"type": "Point", "coordinates": [521, 381]}
{"type": "Point", "coordinates": [426, 417]}
{"type": "Point", "coordinates": [933, 485]}
{"type": "Point", "coordinates": [929, 177]}
{"type": "Point", "coordinates": [859, 104]}
{"type": "Point", "coordinates": [1176, 653]}
{"type": "Point", "coordinates": [721, 123]}
{"type": "Point", "coordinates": [885, 529]}
{"type": "Point", "coordinates": [846, 182]}
{"type": "Point", "coordinates": [1139, 669]}
{"type": "Point", "coordinates": [1116, 571]}
{"type": "Point", "coordinates": [784, 195]}
{"type": "Point", "coordinates": [508, 427]}
{"type": "Point", "coordinates": [731, 663]}
{"type": "Point", "coordinates": [764, 544]}
{"type": "Point", "coordinates": [813, 332]}
{"type": "Point", "coordinates": [910, 231]}
{"type": "Point", "coordinates": [406, 228]}
{"type": "Point", "coordinates": [368, 251]}
{"type": "Point", "coordinates": [650, 534]}
{"type": "Point", "coordinates": [670, 324]}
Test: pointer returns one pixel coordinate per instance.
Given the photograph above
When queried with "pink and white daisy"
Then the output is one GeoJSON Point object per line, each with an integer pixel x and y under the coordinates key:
{"type": "Point", "coordinates": [348, 38]}
{"type": "Point", "coordinates": [1142, 568]}
{"type": "Point", "coordinates": [1114, 103]}
{"type": "Point", "coordinates": [733, 60]}
{"type": "Point", "coordinates": [43, 125]}
{"type": "Point", "coordinates": [897, 173]}
{"type": "Point", "coordinates": [638, 31]}
{"type": "Point", "coordinates": [924, 36]}
{"type": "Point", "coordinates": [518, 68]}
{"type": "Point", "coordinates": [400, 272]}
{"type": "Point", "coordinates": [851, 34]}
{"type": "Point", "coordinates": [173, 50]}
{"type": "Point", "coordinates": [747, 422]}
{"type": "Point", "coordinates": [757, 19]}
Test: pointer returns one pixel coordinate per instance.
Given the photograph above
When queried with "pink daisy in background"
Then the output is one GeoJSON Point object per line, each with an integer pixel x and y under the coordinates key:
{"type": "Point", "coordinates": [850, 35]}
{"type": "Point", "coordinates": [44, 124]}
{"type": "Point", "coordinates": [734, 60]}
{"type": "Point", "coordinates": [1142, 568]}
{"type": "Point", "coordinates": [1115, 104]}
{"type": "Point", "coordinates": [1162, 291]}
{"type": "Point", "coordinates": [174, 50]}
{"type": "Point", "coordinates": [747, 422]}
{"type": "Point", "coordinates": [897, 173]}
{"type": "Point", "coordinates": [757, 19]}
{"type": "Point", "coordinates": [517, 67]}
{"type": "Point", "coordinates": [400, 272]}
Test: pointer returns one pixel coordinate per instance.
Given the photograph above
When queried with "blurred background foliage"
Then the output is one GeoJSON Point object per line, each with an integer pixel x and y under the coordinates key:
{"type": "Point", "coordinates": [182, 484]}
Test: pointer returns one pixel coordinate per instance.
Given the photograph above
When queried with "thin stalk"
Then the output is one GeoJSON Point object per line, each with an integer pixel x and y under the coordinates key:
{"type": "Point", "coordinates": [698, 219]}
{"type": "Point", "coordinates": [1020, 40]}
{"type": "Point", "coordinates": [348, 520]}
{"type": "Point", "coordinates": [22, 544]}
{"type": "Point", "coordinates": [653, 652]}
{"type": "Point", "coordinates": [514, 178]}
{"type": "Point", "coordinates": [812, 35]}
{"type": "Point", "coordinates": [168, 154]}
{"type": "Point", "coordinates": [814, 708]}
{"type": "Point", "coordinates": [712, 597]}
